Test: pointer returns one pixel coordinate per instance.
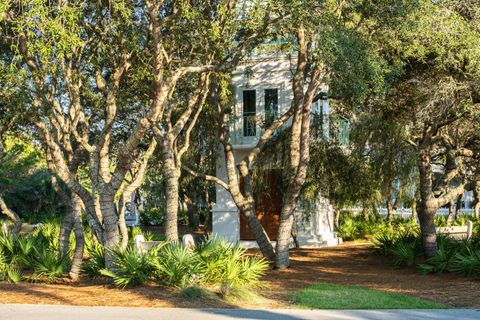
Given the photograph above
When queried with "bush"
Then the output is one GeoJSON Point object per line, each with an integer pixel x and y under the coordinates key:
{"type": "Point", "coordinates": [228, 266]}
{"type": "Point", "coordinates": [130, 268]}
{"type": "Point", "coordinates": [152, 216]}
{"type": "Point", "coordinates": [442, 261]}
{"type": "Point", "coordinates": [467, 263]}
{"type": "Point", "coordinates": [96, 260]}
{"type": "Point", "coordinates": [49, 265]}
{"type": "Point", "coordinates": [403, 246]}
{"type": "Point", "coordinates": [177, 266]}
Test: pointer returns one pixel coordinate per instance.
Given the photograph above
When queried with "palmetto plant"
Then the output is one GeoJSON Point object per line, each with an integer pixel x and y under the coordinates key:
{"type": "Point", "coordinates": [130, 268]}
{"type": "Point", "coordinates": [9, 271]}
{"type": "Point", "coordinates": [49, 265]}
{"type": "Point", "coordinates": [227, 265]}
{"type": "Point", "coordinates": [467, 263]}
{"type": "Point", "coordinates": [96, 260]}
{"type": "Point", "coordinates": [176, 265]}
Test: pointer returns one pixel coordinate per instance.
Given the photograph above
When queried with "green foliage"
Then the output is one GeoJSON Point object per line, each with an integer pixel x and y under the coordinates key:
{"type": "Point", "coordinates": [178, 266]}
{"type": "Point", "coordinates": [355, 227]}
{"type": "Point", "coordinates": [49, 265]}
{"type": "Point", "coordinates": [460, 257]}
{"type": "Point", "coordinates": [130, 267]}
{"type": "Point", "coordinates": [227, 265]}
{"type": "Point", "coordinates": [30, 252]}
{"type": "Point", "coordinates": [214, 262]}
{"type": "Point", "coordinates": [96, 260]}
{"type": "Point", "coordinates": [467, 262]}
{"type": "Point", "coordinates": [8, 270]}
{"type": "Point", "coordinates": [401, 243]}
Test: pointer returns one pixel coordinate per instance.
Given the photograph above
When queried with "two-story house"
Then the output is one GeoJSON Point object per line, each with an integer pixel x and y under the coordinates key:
{"type": "Point", "coordinates": [263, 91]}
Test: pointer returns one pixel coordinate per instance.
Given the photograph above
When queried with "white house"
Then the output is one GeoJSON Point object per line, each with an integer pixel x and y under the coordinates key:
{"type": "Point", "coordinates": [263, 91]}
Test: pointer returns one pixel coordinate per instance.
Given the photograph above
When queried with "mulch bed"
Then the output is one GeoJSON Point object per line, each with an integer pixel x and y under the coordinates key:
{"type": "Point", "coordinates": [350, 263]}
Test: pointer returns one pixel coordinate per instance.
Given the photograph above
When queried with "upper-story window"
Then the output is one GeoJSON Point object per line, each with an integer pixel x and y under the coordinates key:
{"type": "Point", "coordinates": [271, 105]}
{"type": "Point", "coordinates": [249, 113]}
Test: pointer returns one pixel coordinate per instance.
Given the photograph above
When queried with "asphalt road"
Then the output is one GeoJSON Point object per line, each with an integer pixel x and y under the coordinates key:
{"type": "Point", "coordinates": [51, 312]}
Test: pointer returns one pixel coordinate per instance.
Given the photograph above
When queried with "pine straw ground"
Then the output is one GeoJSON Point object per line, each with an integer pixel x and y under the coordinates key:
{"type": "Point", "coordinates": [350, 263]}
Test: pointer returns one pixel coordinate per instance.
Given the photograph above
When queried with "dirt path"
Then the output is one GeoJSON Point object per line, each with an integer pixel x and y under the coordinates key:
{"type": "Point", "coordinates": [350, 263]}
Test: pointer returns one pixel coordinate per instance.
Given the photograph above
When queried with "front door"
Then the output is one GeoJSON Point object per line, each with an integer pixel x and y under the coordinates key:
{"type": "Point", "coordinates": [268, 207]}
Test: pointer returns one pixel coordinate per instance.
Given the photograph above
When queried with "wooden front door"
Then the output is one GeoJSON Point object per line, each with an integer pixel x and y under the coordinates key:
{"type": "Point", "coordinates": [268, 207]}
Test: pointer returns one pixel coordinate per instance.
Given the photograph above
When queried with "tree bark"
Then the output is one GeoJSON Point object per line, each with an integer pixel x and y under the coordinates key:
{"type": "Point", "coordinates": [79, 238]}
{"type": "Point", "coordinates": [172, 175]}
{"type": "Point", "coordinates": [122, 224]}
{"type": "Point", "coordinates": [414, 211]}
{"type": "Point", "coordinates": [336, 216]}
{"type": "Point", "coordinates": [390, 212]}
{"type": "Point", "coordinates": [192, 212]}
{"type": "Point", "coordinates": [458, 207]}
{"type": "Point", "coordinates": [428, 205]}
{"type": "Point", "coordinates": [12, 215]}
{"type": "Point", "coordinates": [426, 216]}
{"type": "Point", "coordinates": [451, 209]}
{"type": "Point", "coordinates": [111, 235]}
{"type": "Point", "coordinates": [476, 206]}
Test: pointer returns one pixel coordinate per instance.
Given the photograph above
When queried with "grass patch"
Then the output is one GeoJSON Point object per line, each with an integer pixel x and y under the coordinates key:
{"type": "Point", "coordinates": [332, 296]}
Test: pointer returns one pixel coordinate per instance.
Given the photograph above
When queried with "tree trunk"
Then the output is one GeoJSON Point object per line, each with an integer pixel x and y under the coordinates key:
{"type": "Point", "coordinates": [12, 215]}
{"type": "Point", "coordinates": [172, 176]}
{"type": "Point", "coordinates": [111, 234]}
{"type": "Point", "coordinates": [79, 238]}
{"type": "Point", "coordinates": [258, 231]}
{"type": "Point", "coordinates": [192, 212]}
{"type": "Point", "coordinates": [427, 205]}
{"type": "Point", "coordinates": [458, 207]}
{"type": "Point", "coordinates": [476, 206]}
{"type": "Point", "coordinates": [122, 224]}
{"type": "Point", "coordinates": [336, 216]}
{"type": "Point", "coordinates": [414, 211]}
{"type": "Point", "coordinates": [66, 229]}
{"type": "Point", "coordinates": [366, 215]}
{"type": "Point", "coordinates": [282, 260]}
{"type": "Point", "coordinates": [451, 209]}
{"type": "Point", "coordinates": [390, 212]}
{"type": "Point", "coordinates": [426, 216]}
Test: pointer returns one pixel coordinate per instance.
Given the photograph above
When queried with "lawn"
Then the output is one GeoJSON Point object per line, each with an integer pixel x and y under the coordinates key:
{"type": "Point", "coordinates": [333, 296]}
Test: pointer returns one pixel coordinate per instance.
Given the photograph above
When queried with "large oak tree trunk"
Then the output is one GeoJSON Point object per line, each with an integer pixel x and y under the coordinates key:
{"type": "Point", "coordinates": [79, 237]}
{"type": "Point", "coordinates": [172, 175]}
{"type": "Point", "coordinates": [111, 235]}
{"type": "Point", "coordinates": [426, 216]}
{"type": "Point", "coordinates": [284, 232]}
{"type": "Point", "coordinates": [427, 204]}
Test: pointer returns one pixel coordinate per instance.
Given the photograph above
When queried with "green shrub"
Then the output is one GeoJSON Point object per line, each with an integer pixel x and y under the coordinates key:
{"type": "Point", "coordinates": [442, 261]}
{"type": "Point", "coordinates": [467, 263]}
{"type": "Point", "coordinates": [405, 253]}
{"type": "Point", "coordinates": [49, 265]}
{"type": "Point", "coordinates": [177, 266]}
{"type": "Point", "coordinates": [227, 265]}
{"type": "Point", "coordinates": [96, 260]}
{"type": "Point", "coordinates": [8, 271]}
{"type": "Point", "coordinates": [130, 268]}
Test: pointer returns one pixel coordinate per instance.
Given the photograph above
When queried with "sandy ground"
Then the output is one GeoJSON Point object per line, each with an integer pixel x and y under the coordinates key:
{"type": "Point", "coordinates": [350, 263]}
